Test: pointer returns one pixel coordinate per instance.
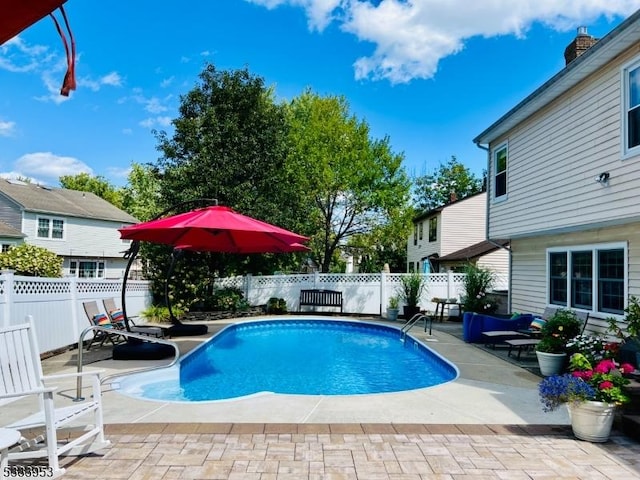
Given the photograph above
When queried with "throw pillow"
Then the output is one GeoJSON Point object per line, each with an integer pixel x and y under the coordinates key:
{"type": "Point", "coordinates": [101, 320]}
{"type": "Point", "coordinates": [537, 323]}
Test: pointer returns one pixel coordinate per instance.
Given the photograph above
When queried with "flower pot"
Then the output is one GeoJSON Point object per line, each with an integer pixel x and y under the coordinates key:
{"type": "Point", "coordinates": [410, 311]}
{"type": "Point", "coordinates": [591, 421]}
{"type": "Point", "coordinates": [392, 314]}
{"type": "Point", "coordinates": [551, 363]}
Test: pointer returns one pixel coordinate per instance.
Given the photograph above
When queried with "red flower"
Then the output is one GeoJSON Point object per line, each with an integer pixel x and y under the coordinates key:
{"type": "Point", "coordinates": [605, 385]}
{"type": "Point", "coordinates": [605, 366]}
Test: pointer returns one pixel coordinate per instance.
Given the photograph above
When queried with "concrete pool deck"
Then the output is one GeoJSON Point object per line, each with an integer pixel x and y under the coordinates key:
{"type": "Point", "coordinates": [481, 425]}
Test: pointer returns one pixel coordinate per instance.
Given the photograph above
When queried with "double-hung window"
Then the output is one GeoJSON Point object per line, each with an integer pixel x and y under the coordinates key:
{"type": "Point", "coordinates": [500, 162]}
{"type": "Point", "coordinates": [86, 268]}
{"type": "Point", "coordinates": [50, 228]}
{"type": "Point", "coordinates": [631, 108]}
{"type": "Point", "coordinates": [591, 277]}
{"type": "Point", "coordinates": [433, 229]}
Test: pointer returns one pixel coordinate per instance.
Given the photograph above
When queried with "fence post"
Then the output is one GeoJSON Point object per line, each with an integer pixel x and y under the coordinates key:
{"type": "Point", "coordinates": [73, 289]}
{"type": "Point", "coordinates": [8, 296]}
{"type": "Point", "coordinates": [247, 287]}
{"type": "Point", "coordinates": [316, 279]}
{"type": "Point", "coordinates": [449, 283]}
{"type": "Point", "coordinates": [383, 290]}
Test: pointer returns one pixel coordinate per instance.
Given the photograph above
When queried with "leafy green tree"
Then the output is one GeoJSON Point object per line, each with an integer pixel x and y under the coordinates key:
{"type": "Point", "coordinates": [96, 184]}
{"type": "Point", "coordinates": [32, 260]}
{"type": "Point", "coordinates": [435, 189]}
{"type": "Point", "coordinates": [229, 143]}
{"type": "Point", "coordinates": [141, 195]}
{"type": "Point", "coordinates": [354, 184]}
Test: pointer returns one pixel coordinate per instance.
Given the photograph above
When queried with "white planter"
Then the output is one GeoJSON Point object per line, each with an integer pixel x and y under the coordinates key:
{"type": "Point", "coordinates": [551, 363]}
{"type": "Point", "coordinates": [591, 421]}
{"type": "Point", "coordinates": [392, 314]}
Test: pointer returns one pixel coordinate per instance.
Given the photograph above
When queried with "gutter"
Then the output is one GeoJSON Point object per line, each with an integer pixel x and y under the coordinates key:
{"type": "Point", "coordinates": [487, 238]}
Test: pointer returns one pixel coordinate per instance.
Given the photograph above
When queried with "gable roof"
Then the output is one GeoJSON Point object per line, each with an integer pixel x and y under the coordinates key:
{"type": "Point", "coordinates": [606, 49]}
{"type": "Point", "coordinates": [474, 251]}
{"type": "Point", "coordinates": [428, 213]}
{"type": "Point", "coordinates": [61, 201]}
{"type": "Point", "coordinates": [7, 231]}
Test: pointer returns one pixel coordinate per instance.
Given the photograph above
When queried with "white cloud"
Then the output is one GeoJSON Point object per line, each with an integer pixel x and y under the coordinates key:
{"type": "Point", "coordinates": [152, 122]}
{"type": "Point", "coordinates": [19, 57]}
{"type": "Point", "coordinates": [49, 166]}
{"type": "Point", "coordinates": [7, 129]}
{"type": "Point", "coordinates": [167, 81]}
{"type": "Point", "coordinates": [410, 37]}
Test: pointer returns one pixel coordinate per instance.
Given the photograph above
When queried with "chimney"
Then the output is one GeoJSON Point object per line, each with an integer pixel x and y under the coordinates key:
{"type": "Point", "coordinates": [452, 196]}
{"type": "Point", "coordinates": [580, 44]}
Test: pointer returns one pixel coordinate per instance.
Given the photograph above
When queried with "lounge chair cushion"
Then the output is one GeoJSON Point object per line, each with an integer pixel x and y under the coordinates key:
{"type": "Point", "coordinates": [101, 319]}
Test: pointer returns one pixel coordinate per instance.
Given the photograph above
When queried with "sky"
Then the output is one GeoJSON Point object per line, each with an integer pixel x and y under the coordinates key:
{"type": "Point", "coordinates": [428, 74]}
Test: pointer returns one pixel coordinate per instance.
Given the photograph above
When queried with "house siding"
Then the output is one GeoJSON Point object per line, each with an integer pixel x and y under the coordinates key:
{"type": "Point", "coordinates": [529, 268]}
{"type": "Point", "coordinates": [555, 156]}
{"type": "Point", "coordinates": [498, 262]}
{"type": "Point", "coordinates": [463, 224]}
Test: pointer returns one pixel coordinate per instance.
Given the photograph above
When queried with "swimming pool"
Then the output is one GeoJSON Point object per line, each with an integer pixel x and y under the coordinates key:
{"type": "Point", "coordinates": [296, 356]}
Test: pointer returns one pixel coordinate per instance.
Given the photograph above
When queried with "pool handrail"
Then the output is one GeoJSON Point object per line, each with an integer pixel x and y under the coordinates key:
{"type": "Point", "coordinates": [124, 333]}
{"type": "Point", "coordinates": [412, 322]}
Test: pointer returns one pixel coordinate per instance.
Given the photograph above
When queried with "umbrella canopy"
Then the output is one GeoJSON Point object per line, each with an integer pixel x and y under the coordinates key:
{"type": "Point", "coordinates": [18, 15]}
{"type": "Point", "coordinates": [216, 229]}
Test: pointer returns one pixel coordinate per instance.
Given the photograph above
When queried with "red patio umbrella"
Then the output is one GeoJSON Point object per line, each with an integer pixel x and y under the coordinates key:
{"type": "Point", "coordinates": [216, 229]}
{"type": "Point", "coordinates": [213, 229]}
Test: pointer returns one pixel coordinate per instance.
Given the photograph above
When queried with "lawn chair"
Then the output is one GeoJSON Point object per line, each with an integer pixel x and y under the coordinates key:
{"type": "Point", "coordinates": [96, 317]}
{"type": "Point", "coordinates": [21, 377]}
{"type": "Point", "coordinates": [117, 317]}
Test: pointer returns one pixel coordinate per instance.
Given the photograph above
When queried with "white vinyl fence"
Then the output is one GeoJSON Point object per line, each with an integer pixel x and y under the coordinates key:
{"type": "Point", "coordinates": [363, 293]}
{"type": "Point", "coordinates": [56, 304]}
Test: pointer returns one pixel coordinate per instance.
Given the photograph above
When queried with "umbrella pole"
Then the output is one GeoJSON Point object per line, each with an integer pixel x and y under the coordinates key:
{"type": "Point", "coordinates": [175, 255]}
{"type": "Point", "coordinates": [131, 253]}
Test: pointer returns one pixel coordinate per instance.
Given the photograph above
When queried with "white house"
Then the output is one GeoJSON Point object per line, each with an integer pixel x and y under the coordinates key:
{"type": "Point", "coordinates": [564, 174]}
{"type": "Point", "coordinates": [78, 226]}
{"type": "Point", "coordinates": [454, 234]}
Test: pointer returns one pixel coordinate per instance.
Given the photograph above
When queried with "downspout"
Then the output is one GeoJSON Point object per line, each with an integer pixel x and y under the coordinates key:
{"type": "Point", "coordinates": [508, 249]}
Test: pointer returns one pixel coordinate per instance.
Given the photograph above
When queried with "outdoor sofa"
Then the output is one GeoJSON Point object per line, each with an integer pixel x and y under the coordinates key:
{"type": "Point", "coordinates": [473, 324]}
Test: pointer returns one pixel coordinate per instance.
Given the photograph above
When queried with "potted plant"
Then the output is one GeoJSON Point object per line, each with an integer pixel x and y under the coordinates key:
{"type": "Point", "coordinates": [392, 309]}
{"type": "Point", "coordinates": [411, 288]}
{"type": "Point", "coordinates": [476, 283]}
{"type": "Point", "coordinates": [630, 335]}
{"type": "Point", "coordinates": [591, 394]}
{"type": "Point", "coordinates": [555, 334]}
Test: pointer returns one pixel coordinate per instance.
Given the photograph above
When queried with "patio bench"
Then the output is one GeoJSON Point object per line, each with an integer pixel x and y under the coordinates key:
{"type": "Point", "coordinates": [320, 298]}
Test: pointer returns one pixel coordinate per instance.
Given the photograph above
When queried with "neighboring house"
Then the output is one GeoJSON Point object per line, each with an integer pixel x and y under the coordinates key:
{"type": "Point", "coordinates": [80, 227]}
{"type": "Point", "coordinates": [564, 174]}
{"type": "Point", "coordinates": [450, 236]}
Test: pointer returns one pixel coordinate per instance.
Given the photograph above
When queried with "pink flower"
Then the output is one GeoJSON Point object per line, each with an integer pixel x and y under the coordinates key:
{"type": "Point", "coordinates": [605, 385]}
{"type": "Point", "coordinates": [627, 368]}
{"type": "Point", "coordinates": [605, 366]}
{"type": "Point", "coordinates": [583, 374]}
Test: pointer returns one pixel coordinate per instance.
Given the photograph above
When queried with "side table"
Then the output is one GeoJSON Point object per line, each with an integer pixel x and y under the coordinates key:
{"type": "Point", "coordinates": [8, 438]}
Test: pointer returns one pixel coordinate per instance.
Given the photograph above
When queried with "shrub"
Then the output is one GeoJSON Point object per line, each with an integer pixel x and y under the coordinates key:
{"type": "Point", "coordinates": [477, 282]}
{"type": "Point", "coordinates": [31, 260]}
{"type": "Point", "coordinates": [229, 299]}
{"type": "Point", "coordinates": [276, 305]}
{"type": "Point", "coordinates": [160, 313]}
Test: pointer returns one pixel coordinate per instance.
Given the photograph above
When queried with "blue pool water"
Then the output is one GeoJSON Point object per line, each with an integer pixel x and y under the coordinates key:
{"type": "Point", "coordinates": [312, 357]}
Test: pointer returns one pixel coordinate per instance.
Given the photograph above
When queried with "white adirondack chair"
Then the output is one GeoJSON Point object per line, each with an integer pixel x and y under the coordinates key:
{"type": "Point", "coordinates": [21, 376]}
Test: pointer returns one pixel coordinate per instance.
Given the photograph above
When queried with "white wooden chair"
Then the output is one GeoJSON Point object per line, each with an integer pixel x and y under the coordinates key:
{"type": "Point", "coordinates": [20, 377]}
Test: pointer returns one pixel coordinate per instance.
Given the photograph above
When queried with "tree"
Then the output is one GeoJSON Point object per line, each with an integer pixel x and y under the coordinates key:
{"type": "Point", "coordinates": [141, 195]}
{"type": "Point", "coordinates": [355, 184]}
{"type": "Point", "coordinates": [88, 183]}
{"type": "Point", "coordinates": [230, 144]}
{"type": "Point", "coordinates": [450, 179]}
